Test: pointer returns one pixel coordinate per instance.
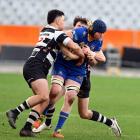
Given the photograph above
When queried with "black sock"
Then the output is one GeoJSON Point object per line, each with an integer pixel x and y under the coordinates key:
{"type": "Point", "coordinates": [100, 118]}
{"type": "Point", "coordinates": [46, 109]}
{"type": "Point", "coordinates": [49, 116]}
{"type": "Point", "coordinates": [21, 107]}
{"type": "Point", "coordinates": [33, 116]}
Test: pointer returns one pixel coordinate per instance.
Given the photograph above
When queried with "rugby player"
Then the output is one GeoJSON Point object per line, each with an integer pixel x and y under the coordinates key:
{"type": "Point", "coordinates": [37, 66]}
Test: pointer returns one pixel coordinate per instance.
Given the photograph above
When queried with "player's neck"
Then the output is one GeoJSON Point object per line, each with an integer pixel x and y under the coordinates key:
{"type": "Point", "coordinates": [90, 38]}
{"type": "Point", "coordinates": [54, 25]}
{"type": "Point", "coordinates": [68, 33]}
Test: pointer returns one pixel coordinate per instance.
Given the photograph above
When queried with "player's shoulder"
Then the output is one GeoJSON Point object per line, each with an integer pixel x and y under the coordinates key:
{"type": "Point", "coordinates": [48, 28]}
{"type": "Point", "coordinates": [80, 30]}
{"type": "Point", "coordinates": [96, 45]}
{"type": "Point", "coordinates": [60, 34]}
{"type": "Point", "coordinates": [79, 34]}
{"type": "Point", "coordinates": [52, 29]}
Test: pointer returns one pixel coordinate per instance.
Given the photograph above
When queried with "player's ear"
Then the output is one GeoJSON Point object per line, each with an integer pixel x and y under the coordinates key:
{"type": "Point", "coordinates": [57, 20]}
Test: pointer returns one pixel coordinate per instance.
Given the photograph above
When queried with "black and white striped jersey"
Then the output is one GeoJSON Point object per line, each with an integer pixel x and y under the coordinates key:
{"type": "Point", "coordinates": [48, 44]}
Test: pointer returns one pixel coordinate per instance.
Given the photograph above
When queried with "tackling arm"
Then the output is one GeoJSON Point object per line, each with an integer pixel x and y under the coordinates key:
{"type": "Point", "coordinates": [68, 53]}
{"type": "Point", "coordinates": [100, 56]}
{"type": "Point", "coordinates": [75, 48]}
{"type": "Point", "coordinates": [96, 57]}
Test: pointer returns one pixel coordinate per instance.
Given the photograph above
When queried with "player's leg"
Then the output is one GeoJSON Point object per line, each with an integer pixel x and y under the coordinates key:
{"type": "Point", "coordinates": [47, 124]}
{"type": "Point", "coordinates": [40, 96]}
{"type": "Point", "coordinates": [59, 73]}
{"type": "Point", "coordinates": [83, 99]}
{"type": "Point", "coordinates": [56, 91]}
{"type": "Point", "coordinates": [83, 103]}
{"type": "Point", "coordinates": [72, 88]}
{"type": "Point", "coordinates": [86, 113]}
{"type": "Point", "coordinates": [35, 77]}
{"type": "Point", "coordinates": [40, 88]}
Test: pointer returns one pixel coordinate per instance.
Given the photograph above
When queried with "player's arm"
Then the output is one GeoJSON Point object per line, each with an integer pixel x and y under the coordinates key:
{"type": "Point", "coordinates": [68, 53]}
{"type": "Point", "coordinates": [61, 37]}
{"type": "Point", "coordinates": [93, 57]}
{"type": "Point", "coordinates": [75, 48]}
{"type": "Point", "coordinates": [100, 56]}
{"type": "Point", "coordinates": [96, 57]}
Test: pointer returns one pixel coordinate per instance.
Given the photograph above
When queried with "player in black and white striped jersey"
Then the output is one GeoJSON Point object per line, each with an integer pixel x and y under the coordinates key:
{"type": "Point", "coordinates": [37, 66]}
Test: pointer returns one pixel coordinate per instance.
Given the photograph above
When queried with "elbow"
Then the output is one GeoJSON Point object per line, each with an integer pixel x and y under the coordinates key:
{"type": "Point", "coordinates": [103, 59]}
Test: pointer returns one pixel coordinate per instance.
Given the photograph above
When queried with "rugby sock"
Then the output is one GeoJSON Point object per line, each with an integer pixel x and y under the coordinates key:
{"type": "Point", "coordinates": [62, 118]}
{"type": "Point", "coordinates": [46, 109]}
{"type": "Point", "coordinates": [100, 118]}
{"type": "Point", "coordinates": [33, 116]}
{"type": "Point", "coordinates": [21, 107]}
{"type": "Point", "coordinates": [49, 116]}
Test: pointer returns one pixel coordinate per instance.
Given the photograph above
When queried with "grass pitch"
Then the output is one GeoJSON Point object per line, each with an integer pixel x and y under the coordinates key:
{"type": "Point", "coordinates": [111, 96]}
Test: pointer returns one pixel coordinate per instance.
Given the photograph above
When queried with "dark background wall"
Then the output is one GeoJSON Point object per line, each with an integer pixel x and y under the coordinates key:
{"type": "Point", "coordinates": [15, 52]}
{"type": "Point", "coordinates": [130, 56]}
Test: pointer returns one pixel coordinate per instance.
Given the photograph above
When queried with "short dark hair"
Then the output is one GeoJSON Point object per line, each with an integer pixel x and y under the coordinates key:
{"type": "Point", "coordinates": [79, 19]}
{"type": "Point", "coordinates": [53, 14]}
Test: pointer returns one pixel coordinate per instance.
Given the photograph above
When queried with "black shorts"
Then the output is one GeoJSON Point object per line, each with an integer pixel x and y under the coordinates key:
{"type": "Point", "coordinates": [85, 88]}
{"type": "Point", "coordinates": [35, 69]}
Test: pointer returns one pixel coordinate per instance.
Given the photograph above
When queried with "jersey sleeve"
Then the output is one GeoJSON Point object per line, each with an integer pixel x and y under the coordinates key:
{"type": "Point", "coordinates": [78, 34]}
{"type": "Point", "coordinates": [96, 46]}
{"type": "Point", "coordinates": [61, 37]}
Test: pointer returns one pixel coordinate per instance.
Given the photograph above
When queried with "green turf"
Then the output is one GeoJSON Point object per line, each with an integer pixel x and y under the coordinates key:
{"type": "Point", "coordinates": [119, 97]}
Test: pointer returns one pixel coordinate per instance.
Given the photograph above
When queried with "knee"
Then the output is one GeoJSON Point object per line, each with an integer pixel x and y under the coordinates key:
{"type": "Point", "coordinates": [70, 98]}
{"type": "Point", "coordinates": [55, 90]}
{"type": "Point", "coordinates": [44, 98]}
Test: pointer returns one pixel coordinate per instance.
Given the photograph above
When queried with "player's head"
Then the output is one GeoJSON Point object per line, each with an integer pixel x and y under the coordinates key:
{"type": "Point", "coordinates": [97, 28]}
{"type": "Point", "coordinates": [79, 22]}
{"type": "Point", "coordinates": [56, 17]}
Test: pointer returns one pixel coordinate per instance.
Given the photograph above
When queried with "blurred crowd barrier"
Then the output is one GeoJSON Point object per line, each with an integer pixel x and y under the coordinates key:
{"type": "Point", "coordinates": [19, 35]}
{"type": "Point", "coordinates": [28, 35]}
{"type": "Point", "coordinates": [13, 37]}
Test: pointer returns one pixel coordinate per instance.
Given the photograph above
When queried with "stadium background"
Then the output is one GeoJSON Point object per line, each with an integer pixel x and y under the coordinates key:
{"type": "Point", "coordinates": [20, 23]}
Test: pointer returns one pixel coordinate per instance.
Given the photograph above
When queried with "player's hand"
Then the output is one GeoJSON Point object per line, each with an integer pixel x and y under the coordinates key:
{"type": "Point", "coordinates": [91, 58]}
{"type": "Point", "coordinates": [80, 61]}
{"type": "Point", "coordinates": [85, 49]}
{"type": "Point", "coordinates": [91, 55]}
